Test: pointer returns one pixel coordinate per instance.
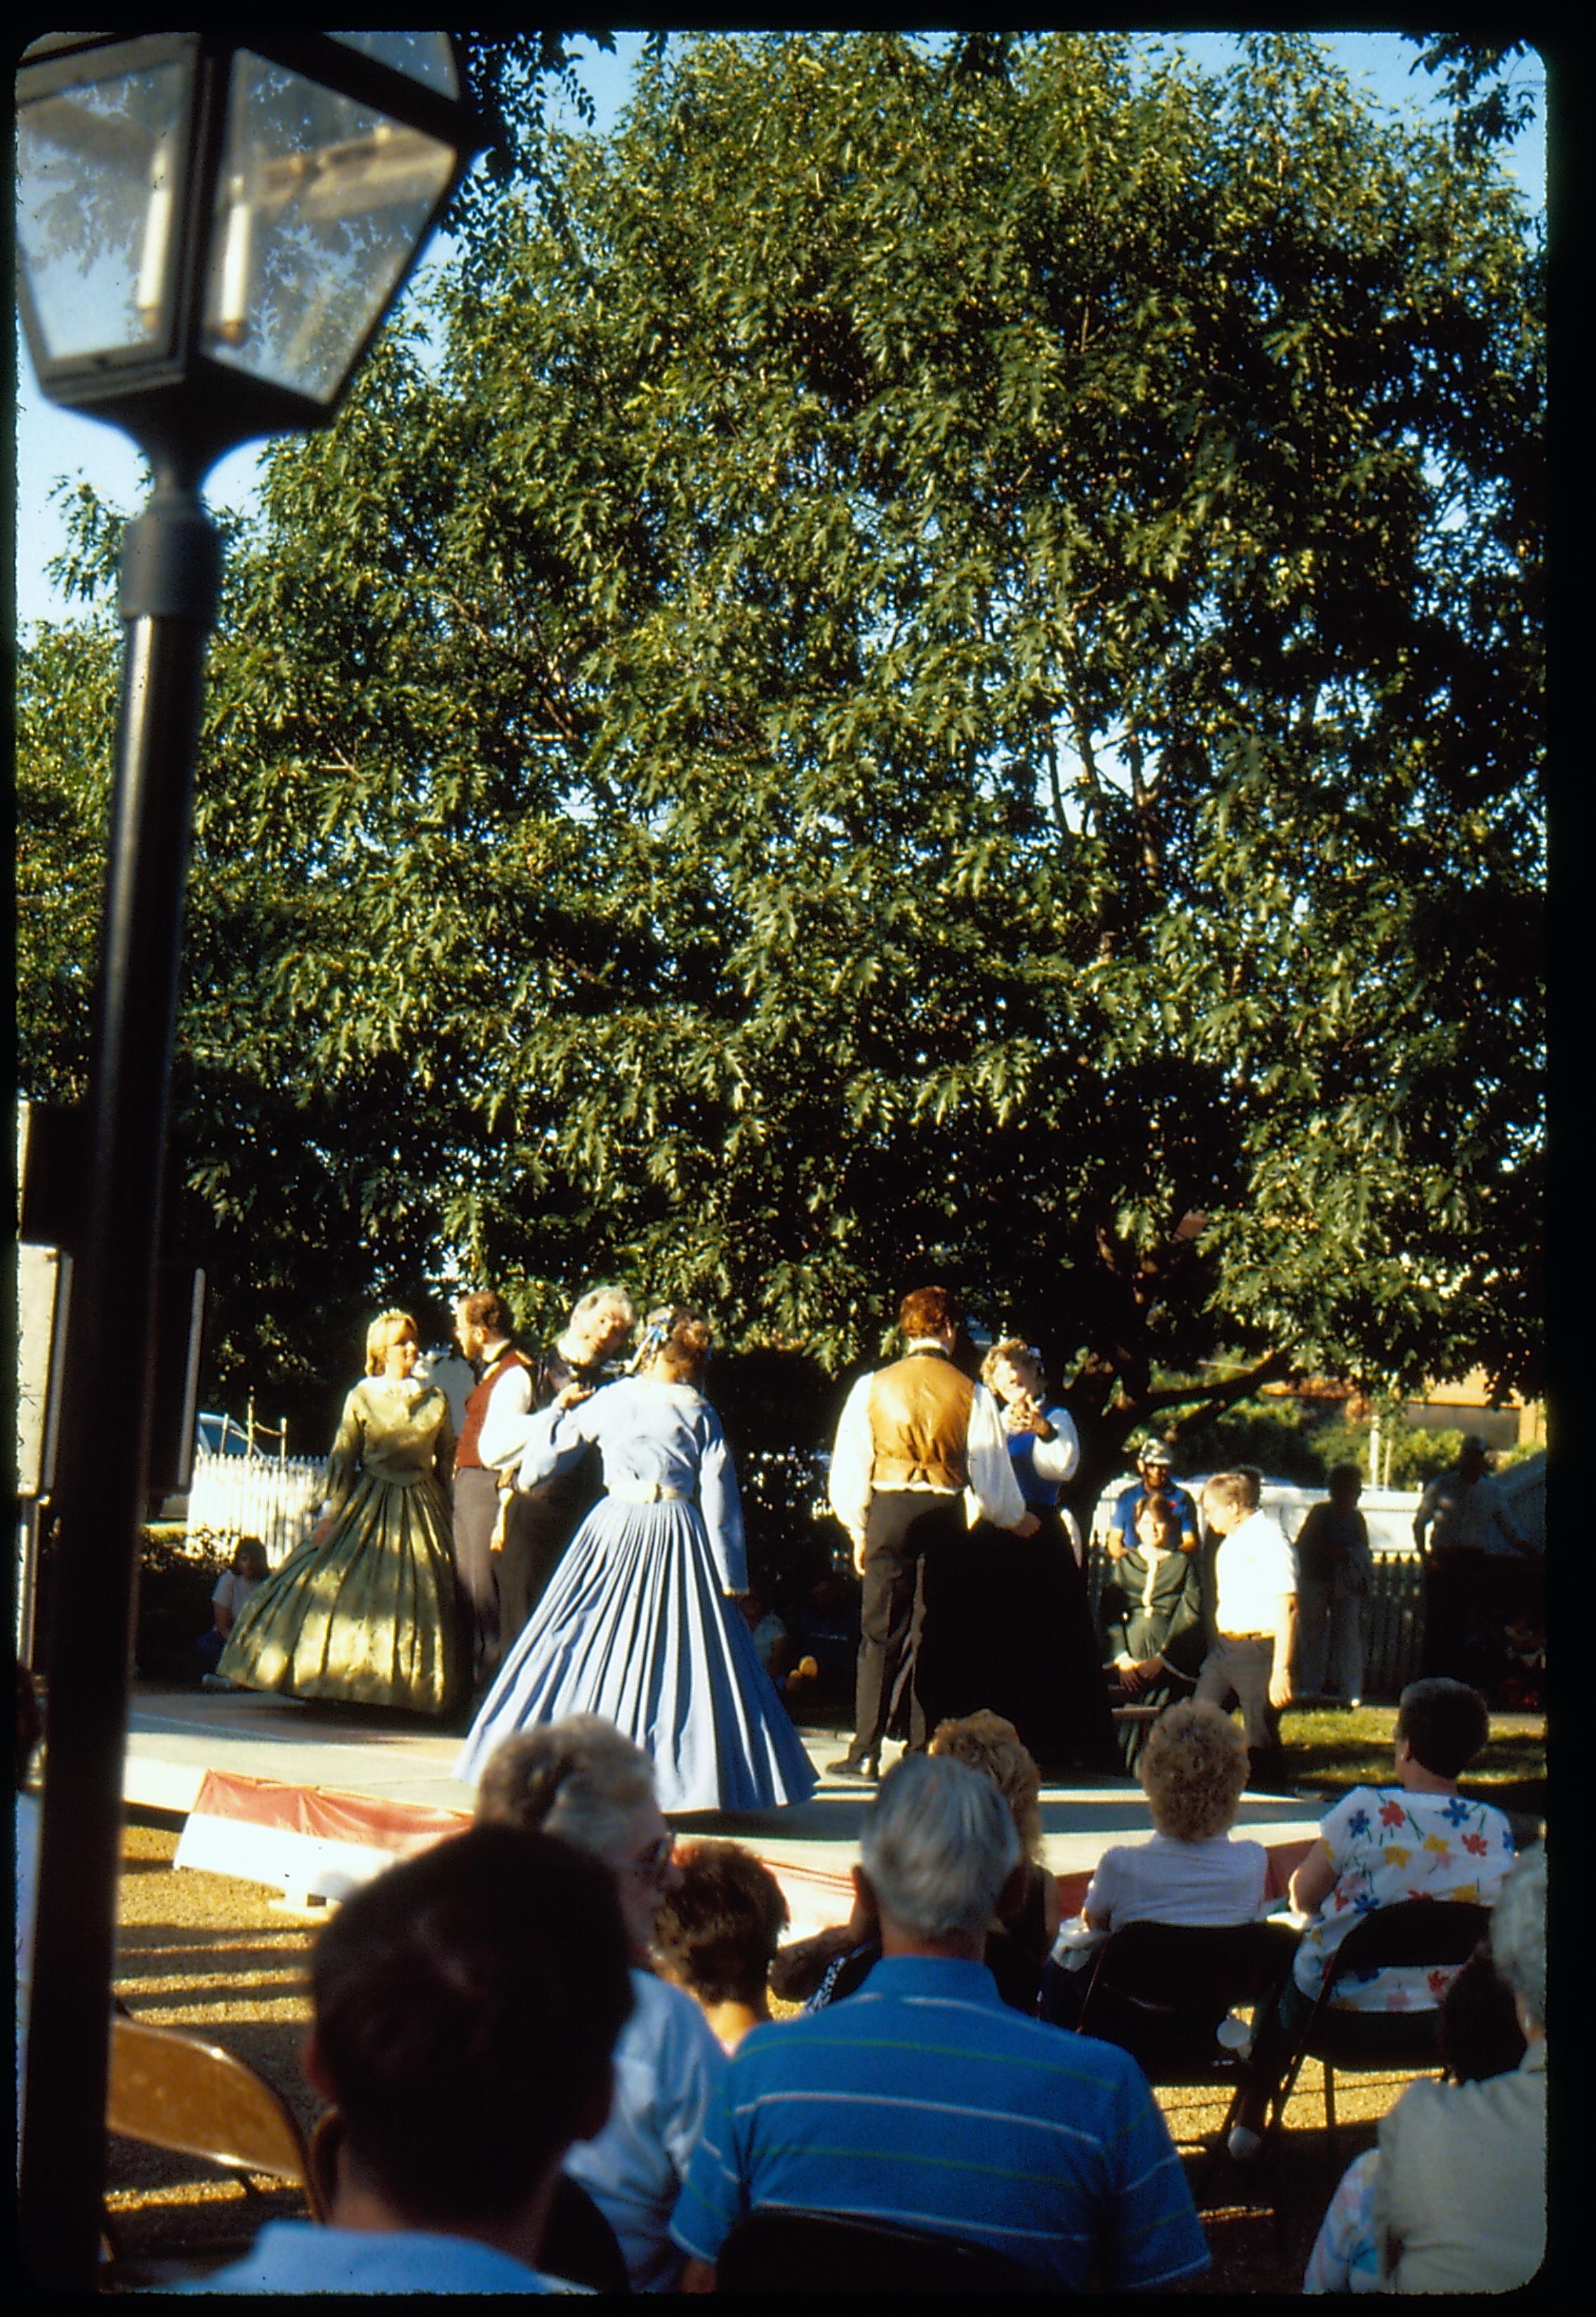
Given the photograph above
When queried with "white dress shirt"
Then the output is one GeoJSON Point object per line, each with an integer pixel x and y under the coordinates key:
{"type": "Point", "coordinates": [1254, 1570]}
{"type": "Point", "coordinates": [503, 1435]}
{"type": "Point", "coordinates": [993, 1490]}
{"type": "Point", "coordinates": [1055, 1460]}
{"type": "Point", "coordinates": [1474, 1513]}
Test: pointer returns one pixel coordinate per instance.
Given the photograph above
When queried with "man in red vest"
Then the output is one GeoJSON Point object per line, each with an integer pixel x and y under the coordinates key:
{"type": "Point", "coordinates": [482, 1329]}
{"type": "Point", "coordinates": [915, 1440]}
{"type": "Point", "coordinates": [540, 1522]}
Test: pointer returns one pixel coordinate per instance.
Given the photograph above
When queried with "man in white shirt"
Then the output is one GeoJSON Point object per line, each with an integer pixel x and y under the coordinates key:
{"type": "Point", "coordinates": [503, 1393]}
{"type": "Point", "coordinates": [1254, 1615]}
{"type": "Point", "coordinates": [918, 1441]}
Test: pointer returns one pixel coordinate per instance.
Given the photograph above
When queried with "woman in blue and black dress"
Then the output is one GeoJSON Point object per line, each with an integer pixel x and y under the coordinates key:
{"type": "Point", "coordinates": [1044, 1667]}
{"type": "Point", "coordinates": [639, 1622]}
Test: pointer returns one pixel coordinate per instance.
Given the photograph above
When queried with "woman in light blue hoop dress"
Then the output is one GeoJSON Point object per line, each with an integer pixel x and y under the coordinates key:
{"type": "Point", "coordinates": [639, 1622]}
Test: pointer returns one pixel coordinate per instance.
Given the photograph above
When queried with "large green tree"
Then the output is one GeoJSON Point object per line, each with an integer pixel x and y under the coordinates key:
{"type": "Point", "coordinates": [937, 672]}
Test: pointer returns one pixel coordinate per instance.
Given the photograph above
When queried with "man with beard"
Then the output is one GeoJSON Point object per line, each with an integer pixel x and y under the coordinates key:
{"type": "Point", "coordinates": [501, 1395]}
{"type": "Point", "coordinates": [540, 1522]}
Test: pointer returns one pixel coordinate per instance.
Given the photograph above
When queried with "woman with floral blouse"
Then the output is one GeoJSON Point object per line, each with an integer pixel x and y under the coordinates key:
{"type": "Point", "coordinates": [1417, 1838]}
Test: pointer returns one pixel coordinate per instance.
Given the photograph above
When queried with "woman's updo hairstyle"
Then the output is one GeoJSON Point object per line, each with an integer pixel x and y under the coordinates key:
{"type": "Point", "coordinates": [682, 1344]}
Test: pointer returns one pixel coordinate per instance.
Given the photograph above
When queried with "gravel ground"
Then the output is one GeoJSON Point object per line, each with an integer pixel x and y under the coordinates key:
{"type": "Point", "coordinates": [211, 1953]}
{"type": "Point", "coordinates": [215, 1953]}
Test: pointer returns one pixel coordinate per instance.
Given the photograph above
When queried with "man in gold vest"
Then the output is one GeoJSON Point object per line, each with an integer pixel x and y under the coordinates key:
{"type": "Point", "coordinates": [916, 1443]}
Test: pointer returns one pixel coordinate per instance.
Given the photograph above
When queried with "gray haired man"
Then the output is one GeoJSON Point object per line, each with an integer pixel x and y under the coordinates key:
{"type": "Point", "coordinates": [871, 2107]}
{"type": "Point", "coordinates": [540, 1522]}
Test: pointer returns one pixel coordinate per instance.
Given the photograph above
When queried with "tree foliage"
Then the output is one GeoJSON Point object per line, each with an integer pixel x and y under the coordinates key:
{"type": "Point", "coordinates": [1488, 107]}
{"type": "Point", "coordinates": [941, 677]}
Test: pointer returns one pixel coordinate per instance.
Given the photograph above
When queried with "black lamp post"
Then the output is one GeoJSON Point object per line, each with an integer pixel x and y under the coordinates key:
{"type": "Point", "coordinates": [210, 232]}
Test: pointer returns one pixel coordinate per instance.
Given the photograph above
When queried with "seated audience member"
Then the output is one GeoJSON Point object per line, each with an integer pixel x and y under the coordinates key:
{"type": "Point", "coordinates": [827, 1628]}
{"type": "Point", "coordinates": [877, 2107]}
{"type": "Point", "coordinates": [465, 2005]}
{"type": "Point", "coordinates": [1018, 1941]}
{"type": "Point", "coordinates": [773, 1645]}
{"type": "Point", "coordinates": [1522, 1687]}
{"type": "Point", "coordinates": [1479, 2035]}
{"type": "Point", "coordinates": [1152, 1611]}
{"type": "Point", "coordinates": [243, 1575]}
{"type": "Point", "coordinates": [1453, 2200]}
{"type": "Point", "coordinates": [825, 1968]}
{"type": "Point", "coordinates": [1380, 1844]}
{"type": "Point", "coordinates": [718, 1933]}
{"type": "Point", "coordinates": [581, 1780]}
{"type": "Point", "coordinates": [828, 1964]}
{"type": "Point", "coordinates": [1193, 1770]}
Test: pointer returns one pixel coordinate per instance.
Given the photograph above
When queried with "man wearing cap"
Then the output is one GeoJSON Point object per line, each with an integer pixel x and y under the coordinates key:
{"type": "Point", "coordinates": [1156, 1467]}
{"type": "Point", "coordinates": [918, 1442]}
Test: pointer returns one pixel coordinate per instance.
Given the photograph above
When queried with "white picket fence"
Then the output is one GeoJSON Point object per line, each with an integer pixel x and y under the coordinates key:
{"type": "Point", "coordinates": [274, 1498]}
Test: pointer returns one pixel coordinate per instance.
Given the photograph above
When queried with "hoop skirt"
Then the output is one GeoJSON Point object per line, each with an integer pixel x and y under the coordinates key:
{"type": "Point", "coordinates": [635, 1625]}
{"type": "Point", "coordinates": [368, 1615]}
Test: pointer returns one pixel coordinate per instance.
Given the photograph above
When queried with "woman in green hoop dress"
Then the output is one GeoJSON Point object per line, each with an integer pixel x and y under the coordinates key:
{"type": "Point", "coordinates": [364, 1610]}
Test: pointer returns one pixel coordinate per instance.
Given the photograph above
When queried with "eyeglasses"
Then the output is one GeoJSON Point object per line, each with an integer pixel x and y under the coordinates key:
{"type": "Point", "coordinates": [650, 1865]}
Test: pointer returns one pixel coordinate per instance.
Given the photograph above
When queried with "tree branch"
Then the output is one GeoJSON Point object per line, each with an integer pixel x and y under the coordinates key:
{"type": "Point", "coordinates": [1216, 1398]}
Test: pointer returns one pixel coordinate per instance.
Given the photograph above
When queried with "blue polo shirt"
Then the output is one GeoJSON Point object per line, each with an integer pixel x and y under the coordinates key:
{"type": "Point", "coordinates": [296, 2257]}
{"type": "Point", "coordinates": [926, 2101]}
{"type": "Point", "coordinates": [1123, 1523]}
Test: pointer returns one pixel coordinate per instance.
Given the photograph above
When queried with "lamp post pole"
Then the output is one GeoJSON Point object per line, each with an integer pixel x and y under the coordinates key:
{"type": "Point", "coordinates": [211, 226]}
{"type": "Point", "coordinates": [170, 581]}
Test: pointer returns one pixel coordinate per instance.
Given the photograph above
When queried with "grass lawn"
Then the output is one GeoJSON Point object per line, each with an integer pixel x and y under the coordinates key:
{"type": "Point", "coordinates": [1330, 1748]}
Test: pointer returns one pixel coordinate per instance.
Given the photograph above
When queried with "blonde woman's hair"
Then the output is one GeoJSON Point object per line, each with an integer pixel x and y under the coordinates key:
{"type": "Point", "coordinates": [1193, 1770]}
{"type": "Point", "coordinates": [388, 1328]}
{"type": "Point", "coordinates": [1018, 1355]}
{"type": "Point", "coordinates": [995, 1747]}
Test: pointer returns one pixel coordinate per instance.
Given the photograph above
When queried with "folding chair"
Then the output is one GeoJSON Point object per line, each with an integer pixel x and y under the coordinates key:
{"type": "Point", "coordinates": [172, 2090]}
{"type": "Point", "coordinates": [1418, 1934]}
{"type": "Point", "coordinates": [834, 2255]}
{"type": "Point", "coordinates": [1163, 1991]}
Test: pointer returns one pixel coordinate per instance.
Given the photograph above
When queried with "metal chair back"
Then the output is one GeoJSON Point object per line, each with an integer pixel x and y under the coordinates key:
{"type": "Point", "coordinates": [172, 2090]}
{"type": "Point", "coordinates": [1415, 1934]}
{"type": "Point", "coordinates": [1162, 1992]}
{"type": "Point", "coordinates": [830, 2255]}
